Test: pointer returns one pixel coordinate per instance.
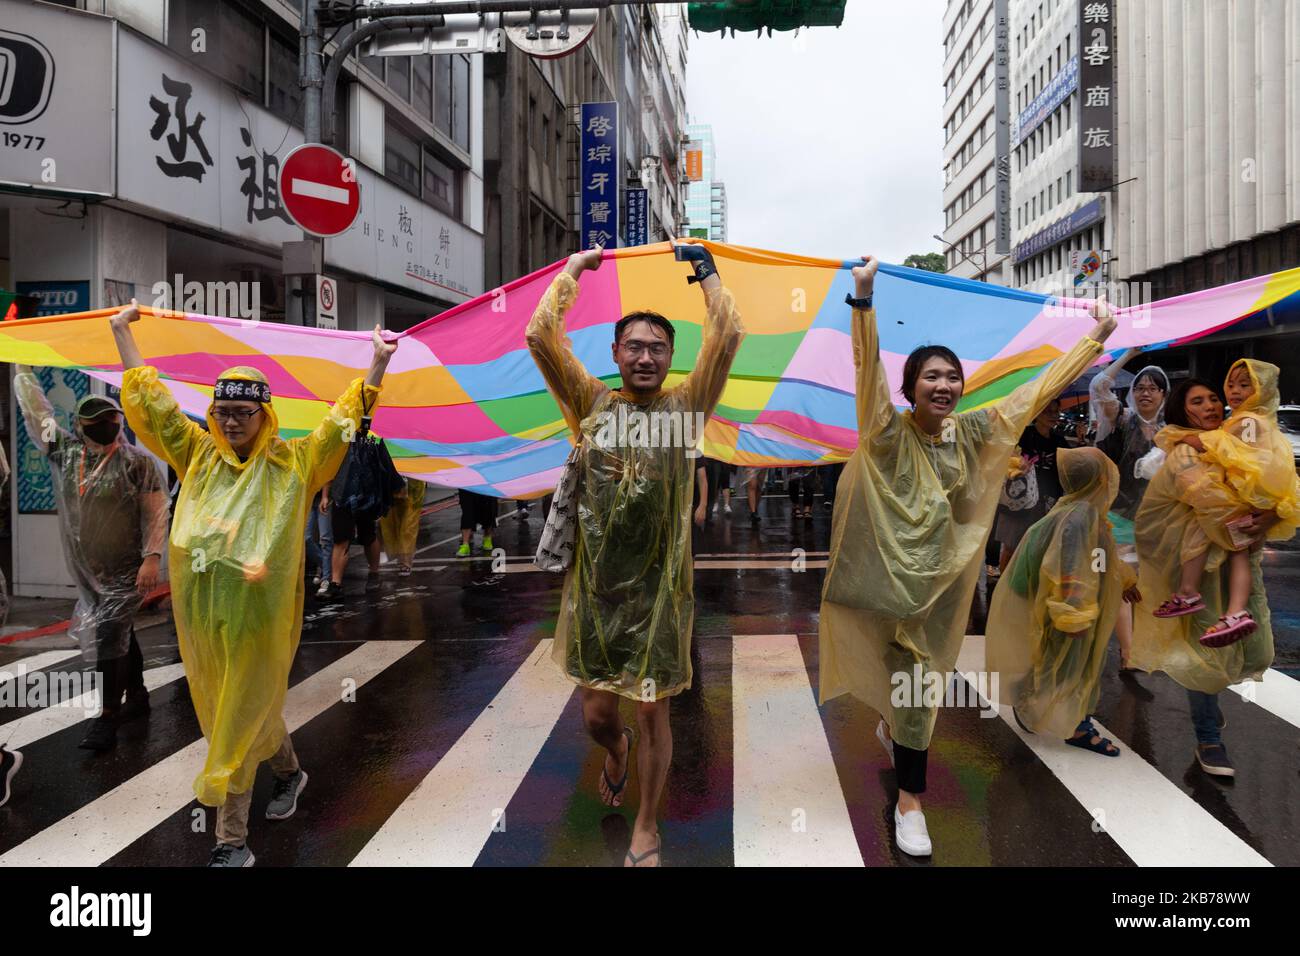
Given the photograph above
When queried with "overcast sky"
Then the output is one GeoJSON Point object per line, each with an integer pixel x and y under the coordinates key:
{"type": "Point", "coordinates": [830, 144]}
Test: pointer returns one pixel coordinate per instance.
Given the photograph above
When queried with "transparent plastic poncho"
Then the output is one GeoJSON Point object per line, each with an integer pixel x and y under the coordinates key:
{"type": "Point", "coordinates": [401, 525]}
{"type": "Point", "coordinates": [628, 603]}
{"type": "Point", "coordinates": [4, 585]}
{"type": "Point", "coordinates": [112, 511]}
{"type": "Point", "coordinates": [1183, 513]}
{"type": "Point", "coordinates": [237, 559]}
{"type": "Point", "coordinates": [1128, 436]}
{"type": "Point", "coordinates": [912, 514]}
{"type": "Point", "coordinates": [1055, 605]}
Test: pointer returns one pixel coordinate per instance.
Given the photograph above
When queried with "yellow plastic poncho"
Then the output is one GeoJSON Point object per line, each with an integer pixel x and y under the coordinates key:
{"type": "Point", "coordinates": [1055, 606]}
{"type": "Point", "coordinates": [912, 513]}
{"type": "Point", "coordinates": [1257, 461]}
{"type": "Point", "coordinates": [401, 526]}
{"type": "Point", "coordinates": [628, 603]}
{"type": "Point", "coordinates": [237, 560]}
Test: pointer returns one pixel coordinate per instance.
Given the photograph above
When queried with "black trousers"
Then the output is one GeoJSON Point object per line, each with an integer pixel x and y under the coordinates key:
{"type": "Point", "coordinates": [910, 765]}
{"type": "Point", "coordinates": [122, 674]}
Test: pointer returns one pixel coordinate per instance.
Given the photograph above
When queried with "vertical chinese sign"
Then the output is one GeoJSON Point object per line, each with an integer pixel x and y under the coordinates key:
{"type": "Point", "coordinates": [1096, 96]}
{"type": "Point", "coordinates": [638, 216]}
{"type": "Point", "coordinates": [1002, 136]}
{"type": "Point", "coordinates": [598, 193]}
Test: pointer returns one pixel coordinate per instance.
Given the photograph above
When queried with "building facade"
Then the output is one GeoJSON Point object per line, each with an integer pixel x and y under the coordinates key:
{"type": "Point", "coordinates": [152, 133]}
{"type": "Point", "coordinates": [1055, 226]}
{"type": "Point", "coordinates": [706, 197]}
{"type": "Point", "coordinates": [969, 136]}
{"type": "Point", "coordinates": [1209, 139]}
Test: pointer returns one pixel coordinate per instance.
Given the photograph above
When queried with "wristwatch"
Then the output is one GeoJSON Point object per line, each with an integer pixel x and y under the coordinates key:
{"type": "Point", "coordinates": [864, 303]}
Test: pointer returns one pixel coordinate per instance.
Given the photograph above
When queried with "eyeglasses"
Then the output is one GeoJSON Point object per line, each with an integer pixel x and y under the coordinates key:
{"type": "Point", "coordinates": [657, 349]}
{"type": "Point", "coordinates": [234, 415]}
{"type": "Point", "coordinates": [1146, 388]}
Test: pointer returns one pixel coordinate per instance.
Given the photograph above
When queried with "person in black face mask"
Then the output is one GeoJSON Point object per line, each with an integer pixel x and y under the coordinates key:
{"type": "Point", "coordinates": [113, 513]}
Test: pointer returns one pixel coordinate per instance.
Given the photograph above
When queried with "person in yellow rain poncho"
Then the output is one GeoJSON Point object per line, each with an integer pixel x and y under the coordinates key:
{"type": "Point", "coordinates": [237, 559]}
{"type": "Point", "coordinates": [1188, 500]}
{"type": "Point", "coordinates": [1052, 613]}
{"type": "Point", "coordinates": [913, 509]}
{"type": "Point", "coordinates": [628, 603]}
{"type": "Point", "coordinates": [401, 526]}
{"type": "Point", "coordinates": [1253, 468]}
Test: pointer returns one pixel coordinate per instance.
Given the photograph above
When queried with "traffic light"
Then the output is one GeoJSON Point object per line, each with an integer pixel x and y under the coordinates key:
{"type": "Point", "coordinates": [747, 15]}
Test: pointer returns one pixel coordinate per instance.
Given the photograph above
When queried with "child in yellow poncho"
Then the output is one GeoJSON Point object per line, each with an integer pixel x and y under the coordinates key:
{"type": "Point", "coordinates": [1251, 466]}
{"type": "Point", "coordinates": [1056, 604]}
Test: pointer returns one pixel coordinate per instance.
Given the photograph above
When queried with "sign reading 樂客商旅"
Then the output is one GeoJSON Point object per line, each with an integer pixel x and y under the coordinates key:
{"type": "Point", "coordinates": [56, 99]}
{"type": "Point", "coordinates": [1097, 100]}
{"type": "Point", "coordinates": [190, 146]}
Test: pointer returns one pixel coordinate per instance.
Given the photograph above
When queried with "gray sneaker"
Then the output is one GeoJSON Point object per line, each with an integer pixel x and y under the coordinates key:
{"type": "Point", "coordinates": [284, 798]}
{"type": "Point", "coordinates": [223, 854]}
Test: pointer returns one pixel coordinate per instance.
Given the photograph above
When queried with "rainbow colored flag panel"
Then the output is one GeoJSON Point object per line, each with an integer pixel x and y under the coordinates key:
{"type": "Point", "coordinates": [465, 407]}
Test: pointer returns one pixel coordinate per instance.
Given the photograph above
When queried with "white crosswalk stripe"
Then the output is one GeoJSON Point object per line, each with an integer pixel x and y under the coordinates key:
{"type": "Point", "coordinates": [106, 826]}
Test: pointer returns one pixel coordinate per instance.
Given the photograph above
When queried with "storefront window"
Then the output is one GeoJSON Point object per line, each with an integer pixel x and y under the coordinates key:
{"type": "Point", "coordinates": [441, 188]}
{"type": "Point", "coordinates": [401, 159]}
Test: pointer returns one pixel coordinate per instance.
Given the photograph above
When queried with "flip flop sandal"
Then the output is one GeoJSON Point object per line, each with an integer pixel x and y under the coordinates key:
{"type": "Point", "coordinates": [1100, 747]}
{"type": "Point", "coordinates": [615, 790]}
{"type": "Point", "coordinates": [1235, 627]}
{"type": "Point", "coordinates": [1179, 606]}
{"type": "Point", "coordinates": [653, 851]}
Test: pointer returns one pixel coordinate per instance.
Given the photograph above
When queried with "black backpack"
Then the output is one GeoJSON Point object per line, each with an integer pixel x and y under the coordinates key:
{"type": "Point", "coordinates": [372, 479]}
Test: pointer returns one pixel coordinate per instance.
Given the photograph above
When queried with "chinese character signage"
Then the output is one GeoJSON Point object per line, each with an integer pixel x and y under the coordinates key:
{"type": "Point", "coordinates": [1061, 230]}
{"type": "Point", "coordinates": [695, 161]}
{"type": "Point", "coordinates": [1002, 135]}
{"type": "Point", "coordinates": [598, 191]}
{"type": "Point", "coordinates": [1097, 105]}
{"type": "Point", "coordinates": [1056, 92]}
{"type": "Point", "coordinates": [638, 216]}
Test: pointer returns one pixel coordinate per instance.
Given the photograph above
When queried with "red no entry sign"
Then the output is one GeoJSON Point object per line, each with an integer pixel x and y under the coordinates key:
{"type": "Point", "coordinates": [319, 190]}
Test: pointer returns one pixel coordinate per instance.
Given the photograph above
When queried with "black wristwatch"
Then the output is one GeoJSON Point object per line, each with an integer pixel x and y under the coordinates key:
{"type": "Point", "coordinates": [863, 304]}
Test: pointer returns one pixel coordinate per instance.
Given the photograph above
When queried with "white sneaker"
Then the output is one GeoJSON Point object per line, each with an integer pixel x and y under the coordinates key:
{"type": "Point", "coordinates": [727, 508]}
{"type": "Point", "coordinates": [885, 742]}
{"type": "Point", "coordinates": [910, 833]}
{"type": "Point", "coordinates": [324, 588]}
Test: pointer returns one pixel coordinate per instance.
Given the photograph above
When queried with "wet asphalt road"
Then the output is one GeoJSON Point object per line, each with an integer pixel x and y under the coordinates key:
{"type": "Point", "coordinates": [457, 693]}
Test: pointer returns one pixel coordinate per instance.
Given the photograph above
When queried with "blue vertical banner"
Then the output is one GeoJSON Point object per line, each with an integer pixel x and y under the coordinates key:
{"type": "Point", "coordinates": [638, 216]}
{"type": "Point", "coordinates": [598, 194]}
{"type": "Point", "coordinates": [63, 386]}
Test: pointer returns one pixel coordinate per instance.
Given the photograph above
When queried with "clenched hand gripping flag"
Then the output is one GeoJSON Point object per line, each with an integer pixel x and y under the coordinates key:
{"type": "Point", "coordinates": [464, 406]}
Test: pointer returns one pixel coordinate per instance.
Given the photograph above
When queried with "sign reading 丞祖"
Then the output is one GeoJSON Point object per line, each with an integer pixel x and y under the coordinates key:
{"type": "Point", "coordinates": [598, 191]}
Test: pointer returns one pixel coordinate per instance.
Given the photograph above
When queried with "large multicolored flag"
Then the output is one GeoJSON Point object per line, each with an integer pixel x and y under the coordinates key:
{"type": "Point", "coordinates": [465, 407]}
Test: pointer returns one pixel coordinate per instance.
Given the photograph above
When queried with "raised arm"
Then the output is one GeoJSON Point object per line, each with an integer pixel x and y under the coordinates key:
{"type": "Point", "coordinates": [874, 403]}
{"type": "Point", "coordinates": [573, 387]}
{"type": "Point", "coordinates": [321, 452]}
{"type": "Point", "coordinates": [1101, 391]}
{"type": "Point", "coordinates": [1022, 405]}
{"type": "Point", "coordinates": [150, 409]}
{"type": "Point", "coordinates": [720, 338]}
{"type": "Point", "coordinates": [38, 414]}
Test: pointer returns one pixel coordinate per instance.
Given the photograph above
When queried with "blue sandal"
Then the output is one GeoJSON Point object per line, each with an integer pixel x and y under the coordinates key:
{"type": "Point", "coordinates": [1102, 746]}
{"type": "Point", "coordinates": [615, 790]}
{"type": "Point", "coordinates": [654, 850]}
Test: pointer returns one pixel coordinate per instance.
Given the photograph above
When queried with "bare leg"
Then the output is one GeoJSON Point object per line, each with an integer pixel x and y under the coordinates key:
{"type": "Point", "coordinates": [1238, 581]}
{"type": "Point", "coordinates": [751, 491]}
{"type": "Point", "coordinates": [1193, 569]}
{"type": "Point", "coordinates": [339, 561]}
{"type": "Point", "coordinates": [605, 725]}
{"type": "Point", "coordinates": [652, 760]}
{"type": "Point", "coordinates": [1124, 633]}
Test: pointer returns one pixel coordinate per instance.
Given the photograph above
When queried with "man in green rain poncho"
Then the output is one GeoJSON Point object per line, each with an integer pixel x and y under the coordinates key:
{"type": "Point", "coordinates": [236, 556]}
{"type": "Point", "coordinates": [628, 606]}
